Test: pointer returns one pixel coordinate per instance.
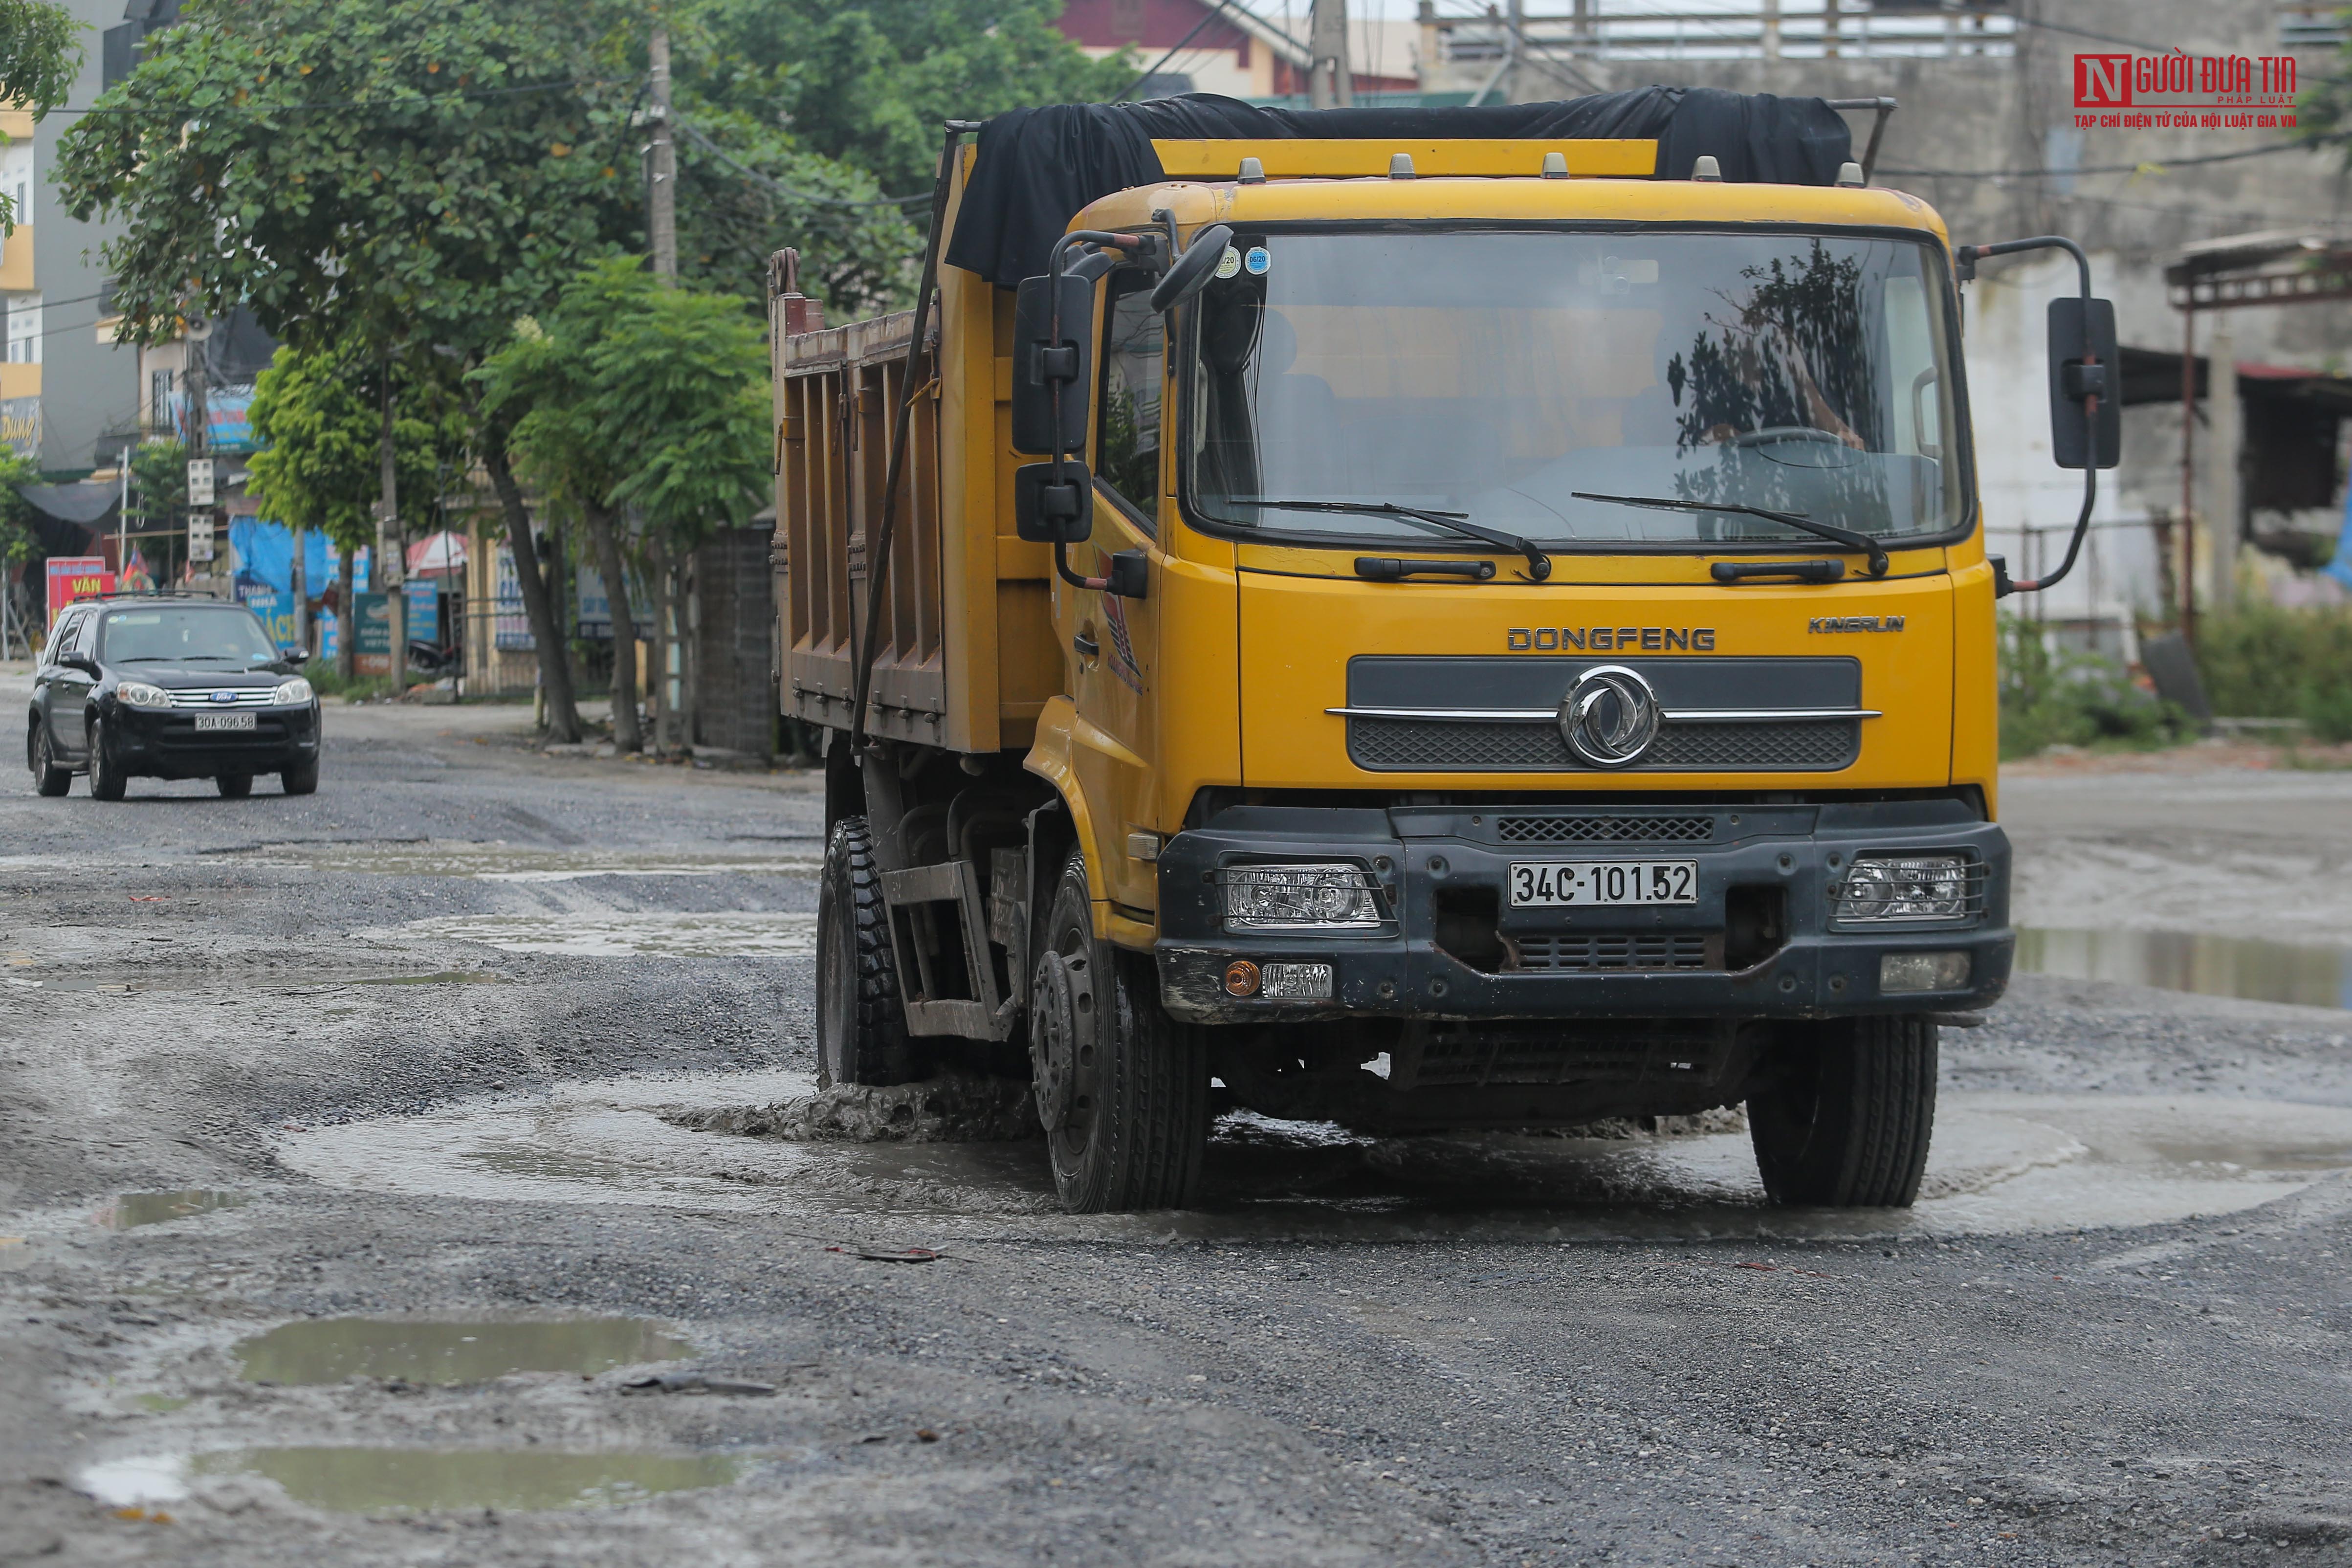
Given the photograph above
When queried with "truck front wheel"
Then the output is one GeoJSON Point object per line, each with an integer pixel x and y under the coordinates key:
{"type": "Point", "coordinates": [1842, 1116]}
{"type": "Point", "coordinates": [1122, 1088]}
{"type": "Point", "coordinates": [861, 1026]}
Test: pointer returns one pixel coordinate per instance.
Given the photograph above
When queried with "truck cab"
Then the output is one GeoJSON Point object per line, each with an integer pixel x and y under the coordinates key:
{"type": "Point", "coordinates": [1525, 654]}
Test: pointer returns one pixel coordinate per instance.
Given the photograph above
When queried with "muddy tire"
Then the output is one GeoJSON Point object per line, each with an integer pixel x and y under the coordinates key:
{"type": "Point", "coordinates": [107, 781]}
{"type": "Point", "coordinates": [1122, 1088]}
{"type": "Point", "coordinates": [234, 786]}
{"type": "Point", "coordinates": [861, 1024]}
{"type": "Point", "coordinates": [1844, 1119]}
{"type": "Point", "coordinates": [302, 778]}
{"type": "Point", "coordinates": [48, 778]}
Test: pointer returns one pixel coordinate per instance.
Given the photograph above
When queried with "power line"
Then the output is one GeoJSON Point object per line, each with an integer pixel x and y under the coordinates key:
{"type": "Point", "coordinates": [770, 183]}
{"type": "Point", "coordinates": [2145, 165]}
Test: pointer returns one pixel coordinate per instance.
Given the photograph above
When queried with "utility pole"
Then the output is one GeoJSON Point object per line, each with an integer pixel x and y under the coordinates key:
{"type": "Point", "coordinates": [1515, 44]}
{"type": "Point", "coordinates": [661, 191]}
{"type": "Point", "coordinates": [661, 237]}
{"type": "Point", "coordinates": [1328, 79]}
{"type": "Point", "coordinates": [390, 555]}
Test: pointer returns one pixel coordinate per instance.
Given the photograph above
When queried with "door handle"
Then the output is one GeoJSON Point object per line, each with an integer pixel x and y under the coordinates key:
{"type": "Point", "coordinates": [1089, 650]}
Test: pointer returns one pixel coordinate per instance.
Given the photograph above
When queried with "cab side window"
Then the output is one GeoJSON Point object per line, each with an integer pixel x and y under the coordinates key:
{"type": "Point", "coordinates": [1134, 357]}
{"type": "Point", "coordinates": [86, 636]}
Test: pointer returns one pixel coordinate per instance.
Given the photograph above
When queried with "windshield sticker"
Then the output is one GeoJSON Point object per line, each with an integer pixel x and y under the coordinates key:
{"type": "Point", "coordinates": [1229, 263]}
{"type": "Point", "coordinates": [1257, 261]}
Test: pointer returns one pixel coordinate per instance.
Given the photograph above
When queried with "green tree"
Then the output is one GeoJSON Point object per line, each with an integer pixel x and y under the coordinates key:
{"type": "Point", "coordinates": [40, 55]}
{"type": "Point", "coordinates": [399, 178]}
{"type": "Point", "coordinates": [867, 84]}
{"type": "Point", "coordinates": [319, 417]}
{"type": "Point", "coordinates": [635, 397]}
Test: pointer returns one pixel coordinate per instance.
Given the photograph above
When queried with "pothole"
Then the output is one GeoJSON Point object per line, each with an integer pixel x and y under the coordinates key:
{"type": "Point", "coordinates": [357, 1479]}
{"type": "Point", "coordinates": [155, 1209]}
{"type": "Point", "coordinates": [444, 1354]}
{"type": "Point", "coordinates": [1999, 1164]}
{"type": "Point", "coordinates": [604, 933]}
{"type": "Point", "coordinates": [2252, 968]}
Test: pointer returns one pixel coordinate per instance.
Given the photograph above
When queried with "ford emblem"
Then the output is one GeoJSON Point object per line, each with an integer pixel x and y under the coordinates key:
{"type": "Point", "coordinates": [224, 696]}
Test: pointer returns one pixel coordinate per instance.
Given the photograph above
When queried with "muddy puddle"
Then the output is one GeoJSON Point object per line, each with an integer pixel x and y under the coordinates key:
{"type": "Point", "coordinates": [2247, 967]}
{"type": "Point", "coordinates": [608, 933]}
{"type": "Point", "coordinates": [497, 862]}
{"type": "Point", "coordinates": [132, 1210]}
{"type": "Point", "coordinates": [409, 1480]}
{"type": "Point", "coordinates": [1999, 1164]}
{"type": "Point", "coordinates": [447, 1353]}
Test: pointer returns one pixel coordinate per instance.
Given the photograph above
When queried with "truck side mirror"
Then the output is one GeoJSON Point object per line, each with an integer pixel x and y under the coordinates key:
{"type": "Point", "coordinates": [2080, 438]}
{"type": "Point", "coordinates": [1046, 513]}
{"type": "Point", "coordinates": [1042, 363]}
{"type": "Point", "coordinates": [1191, 272]}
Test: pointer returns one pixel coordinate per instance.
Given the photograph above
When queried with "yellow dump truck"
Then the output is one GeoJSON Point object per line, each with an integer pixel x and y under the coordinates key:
{"type": "Point", "coordinates": [1409, 619]}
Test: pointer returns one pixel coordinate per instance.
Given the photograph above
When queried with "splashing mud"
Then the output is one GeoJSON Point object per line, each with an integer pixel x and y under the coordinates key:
{"type": "Point", "coordinates": [954, 1107]}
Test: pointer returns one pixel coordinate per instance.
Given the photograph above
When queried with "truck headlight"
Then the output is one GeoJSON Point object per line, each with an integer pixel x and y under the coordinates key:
{"type": "Point", "coordinates": [1300, 898]}
{"type": "Point", "coordinates": [139, 694]}
{"type": "Point", "coordinates": [1881, 890]}
{"type": "Point", "coordinates": [289, 692]}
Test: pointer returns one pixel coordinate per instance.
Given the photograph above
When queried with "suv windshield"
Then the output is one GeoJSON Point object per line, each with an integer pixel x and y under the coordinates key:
{"type": "Point", "coordinates": [170, 635]}
{"type": "Point", "coordinates": [1496, 375]}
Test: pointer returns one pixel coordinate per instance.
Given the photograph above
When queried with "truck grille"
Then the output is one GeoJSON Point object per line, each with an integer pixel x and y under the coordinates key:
{"type": "Point", "coordinates": [1612, 952]}
{"type": "Point", "coordinates": [1610, 829]}
{"type": "Point", "coordinates": [1424, 745]}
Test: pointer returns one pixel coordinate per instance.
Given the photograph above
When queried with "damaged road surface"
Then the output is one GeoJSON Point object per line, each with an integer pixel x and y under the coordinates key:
{"type": "Point", "coordinates": [431, 1171]}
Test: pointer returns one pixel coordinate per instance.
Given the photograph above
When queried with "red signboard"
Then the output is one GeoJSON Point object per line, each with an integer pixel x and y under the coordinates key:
{"type": "Point", "coordinates": [74, 577]}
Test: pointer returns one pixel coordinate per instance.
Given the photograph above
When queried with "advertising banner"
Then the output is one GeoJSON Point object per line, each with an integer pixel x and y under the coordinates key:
{"type": "Point", "coordinates": [423, 610]}
{"type": "Point", "coordinates": [372, 653]}
{"type": "Point", "coordinates": [74, 577]}
{"type": "Point", "coordinates": [511, 623]}
{"type": "Point", "coordinates": [276, 608]}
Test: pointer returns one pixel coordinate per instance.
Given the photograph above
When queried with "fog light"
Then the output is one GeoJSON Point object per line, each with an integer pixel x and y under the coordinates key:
{"type": "Point", "coordinates": [1296, 983]}
{"type": "Point", "coordinates": [1241, 978]}
{"type": "Point", "coordinates": [1902, 971]}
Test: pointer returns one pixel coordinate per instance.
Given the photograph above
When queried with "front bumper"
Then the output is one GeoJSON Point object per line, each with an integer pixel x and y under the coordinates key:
{"type": "Point", "coordinates": [165, 743]}
{"type": "Point", "coordinates": [1758, 944]}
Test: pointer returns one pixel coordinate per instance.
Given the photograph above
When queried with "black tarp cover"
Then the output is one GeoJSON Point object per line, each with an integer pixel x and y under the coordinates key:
{"type": "Point", "coordinates": [1038, 167]}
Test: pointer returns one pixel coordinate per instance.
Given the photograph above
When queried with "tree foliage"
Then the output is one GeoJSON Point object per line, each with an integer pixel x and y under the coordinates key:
{"type": "Point", "coordinates": [630, 394]}
{"type": "Point", "coordinates": [868, 83]}
{"type": "Point", "coordinates": [319, 418]}
{"type": "Point", "coordinates": [405, 175]}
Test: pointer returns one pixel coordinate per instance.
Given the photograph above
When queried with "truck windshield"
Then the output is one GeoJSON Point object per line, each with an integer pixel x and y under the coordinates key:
{"type": "Point", "coordinates": [1496, 375]}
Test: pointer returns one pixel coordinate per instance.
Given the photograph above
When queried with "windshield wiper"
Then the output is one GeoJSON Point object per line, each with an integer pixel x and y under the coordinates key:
{"type": "Point", "coordinates": [1828, 531]}
{"type": "Point", "coordinates": [1538, 563]}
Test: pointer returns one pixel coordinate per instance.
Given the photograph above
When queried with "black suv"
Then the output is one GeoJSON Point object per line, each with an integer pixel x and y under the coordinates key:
{"type": "Point", "coordinates": [172, 689]}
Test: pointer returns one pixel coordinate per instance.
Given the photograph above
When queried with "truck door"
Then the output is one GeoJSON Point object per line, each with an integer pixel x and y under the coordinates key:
{"type": "Point", "coordinates": [1113, 642]}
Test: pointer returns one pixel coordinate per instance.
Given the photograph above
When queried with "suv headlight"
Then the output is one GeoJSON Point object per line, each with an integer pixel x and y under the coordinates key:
{"type": "Point", "coordinates": [139, 694]}
{"type": "Point", "coordinates": [1300, 898]}
{"type": "Point", "coordinates": [1884, 890]}
{"type": "Point", "coordinates": [291, 691]}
